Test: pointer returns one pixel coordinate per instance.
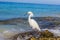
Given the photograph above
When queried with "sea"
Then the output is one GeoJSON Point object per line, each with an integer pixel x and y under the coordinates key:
{"type": "Point", "coordinates": [14, 10]}
{"type": "Point", "coordinates": [9, 10]}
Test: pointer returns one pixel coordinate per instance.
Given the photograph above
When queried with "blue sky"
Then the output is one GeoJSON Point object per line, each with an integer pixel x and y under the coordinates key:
{"type": "Point", "coordinates": [36, 1]}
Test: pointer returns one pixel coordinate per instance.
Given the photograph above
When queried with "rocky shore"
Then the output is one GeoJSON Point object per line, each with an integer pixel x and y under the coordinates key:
{"type": "Point", "coordinates": [31, 35]}
{"type": "Point", "coordinates": [34, 35]}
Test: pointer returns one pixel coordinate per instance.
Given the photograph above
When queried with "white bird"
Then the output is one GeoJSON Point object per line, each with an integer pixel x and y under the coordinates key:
{"type": "Point", "coordinates": [32, 22]}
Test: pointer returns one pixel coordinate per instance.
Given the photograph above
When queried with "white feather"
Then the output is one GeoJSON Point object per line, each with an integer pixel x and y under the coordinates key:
{"type": "Point", "coordinates": [32, 22]}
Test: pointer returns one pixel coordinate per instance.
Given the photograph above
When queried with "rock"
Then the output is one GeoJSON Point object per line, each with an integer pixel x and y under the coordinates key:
{"type": "Point", "coordinates": [46, 33]}
{"type": "Point", "coordinates": [33, 38]}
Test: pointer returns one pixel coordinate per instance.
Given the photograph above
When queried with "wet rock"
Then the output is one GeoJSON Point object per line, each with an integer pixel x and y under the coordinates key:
{"type": "Point", "coordinates": [32, 35]}
{"type": "Point", "coordinates": [46, 33]}
{"type": "Point", "coordinates": [33, 38]}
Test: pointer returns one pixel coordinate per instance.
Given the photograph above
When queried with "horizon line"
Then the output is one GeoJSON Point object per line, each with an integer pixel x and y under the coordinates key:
{"type": "Point", "coordinates": [26, 3]}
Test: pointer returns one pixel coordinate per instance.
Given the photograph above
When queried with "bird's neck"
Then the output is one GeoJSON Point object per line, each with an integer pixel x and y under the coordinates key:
{"type": "Point", "coordinates": [29, 17]}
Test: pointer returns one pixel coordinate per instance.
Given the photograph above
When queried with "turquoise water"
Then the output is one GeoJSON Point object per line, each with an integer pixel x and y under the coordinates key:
{"type": "Point", "coordinates": [13, 10]}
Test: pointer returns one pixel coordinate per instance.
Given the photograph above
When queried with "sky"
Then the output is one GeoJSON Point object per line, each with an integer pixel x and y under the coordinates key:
{"type": "Point", "coordinates": [35, 1]}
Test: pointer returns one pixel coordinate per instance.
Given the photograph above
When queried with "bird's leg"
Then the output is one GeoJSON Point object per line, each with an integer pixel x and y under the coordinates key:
{"type": "Point", "coordinates": [36, 33]}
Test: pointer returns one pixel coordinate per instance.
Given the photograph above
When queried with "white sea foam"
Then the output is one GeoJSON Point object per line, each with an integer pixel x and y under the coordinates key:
{"type": "Point", "coordinates": [9, 33]}
{"type": "Point", "coordinates": [13, 31]}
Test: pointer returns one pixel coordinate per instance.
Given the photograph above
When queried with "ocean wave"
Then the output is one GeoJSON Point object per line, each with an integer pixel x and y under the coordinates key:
{"type": "Point", "coordinates": [56, 32]}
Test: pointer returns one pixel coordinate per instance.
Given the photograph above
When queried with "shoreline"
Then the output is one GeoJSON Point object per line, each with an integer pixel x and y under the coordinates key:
{"type": "Point", "coordinates": [21, 20]}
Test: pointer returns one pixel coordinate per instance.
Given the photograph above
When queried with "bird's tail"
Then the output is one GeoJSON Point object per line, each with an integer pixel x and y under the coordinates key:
{"type": "Point", "coordinates": [39, 29]}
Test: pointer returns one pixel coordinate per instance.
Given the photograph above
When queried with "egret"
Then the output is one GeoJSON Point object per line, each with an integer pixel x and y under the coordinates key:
{"type": "Point", "coordinates": [32, 22]}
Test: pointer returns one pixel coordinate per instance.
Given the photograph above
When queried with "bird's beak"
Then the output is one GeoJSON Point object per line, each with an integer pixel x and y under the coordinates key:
{"type": "Point", "coordinates": [25, 14]}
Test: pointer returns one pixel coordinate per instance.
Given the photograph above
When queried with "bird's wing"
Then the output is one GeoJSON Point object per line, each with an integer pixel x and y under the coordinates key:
{"type": "Point", "coordinates": [33, 22]}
